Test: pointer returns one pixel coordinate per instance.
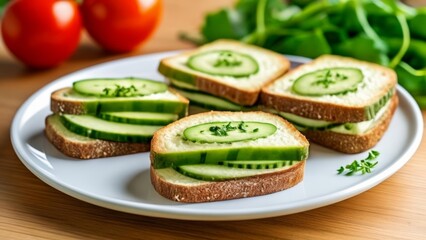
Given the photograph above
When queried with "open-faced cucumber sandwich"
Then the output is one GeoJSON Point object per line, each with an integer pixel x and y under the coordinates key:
{"type": "Point", "coordinates": [338, 102]}
{"type": "Point", "coordinates": [223, 75]}
{"type": "Point", "coordinates": [109, 117]}
{"type": "Point", "coordinates": [216, 156]}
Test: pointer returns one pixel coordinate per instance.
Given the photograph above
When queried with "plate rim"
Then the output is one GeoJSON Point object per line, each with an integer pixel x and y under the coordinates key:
{"type": "Point", "coordinates": [161, 211]}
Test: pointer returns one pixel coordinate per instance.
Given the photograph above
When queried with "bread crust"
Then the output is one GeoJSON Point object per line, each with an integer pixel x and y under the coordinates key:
{"type": "Point", "coordinates": [210, 84]}
{"type": "Point", "coordinates": [348, 143]}
{"type": "Point", "coordinates": [91, 148]}
{"type": "Point", "coordinates": [59, 104]}
{"type": "Point", "coordinates": [321, 110]}
{"type": "Point", "coordinates": [231, 189]}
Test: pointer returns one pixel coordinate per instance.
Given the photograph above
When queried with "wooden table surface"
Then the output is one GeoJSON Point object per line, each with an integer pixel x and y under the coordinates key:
{"type": "Point", "coordinates": [30, 209]}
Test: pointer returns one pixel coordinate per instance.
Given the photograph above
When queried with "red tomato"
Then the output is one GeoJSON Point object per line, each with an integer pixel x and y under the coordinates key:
{"type": "Point", "coordinates": [43, 33]}
{"type": "Point", "coordinates": [121, 26]}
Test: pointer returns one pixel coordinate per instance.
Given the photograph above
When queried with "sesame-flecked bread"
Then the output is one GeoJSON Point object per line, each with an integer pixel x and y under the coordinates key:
{"type": "Point", "coordinates": [243, 90]}
{"type": "Point", "coordinates": [78, 146]}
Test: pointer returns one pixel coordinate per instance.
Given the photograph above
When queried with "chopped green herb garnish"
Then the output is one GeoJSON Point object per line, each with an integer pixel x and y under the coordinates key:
{"type": "Point", "coordinates": [329, 79]}
{"type": "Point", "coordinates": [256, 130]}
{"type": "Point", "coordinates": [241, 127]}
{"type": "Point", "coordinates": [120, 91]}
{"type": "Point", "coordinates": [364, 166]}
{"type": "Point", "coordinates": [227, 59]}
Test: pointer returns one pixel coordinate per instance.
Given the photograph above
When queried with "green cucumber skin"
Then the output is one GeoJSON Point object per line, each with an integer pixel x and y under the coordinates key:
{"type": "Point", "coordinates": [209, 172]}
{"type": "Point", "coordinates": [211, 102]}
{"type": "Point", "coordinates": [104, 135]}
{"type": "Point", "coordinates": [195, 61]}
{"type": "Point", "coordinates": [177, 74]}
{"type": "Point", "coordinates": [303, 85]}
{"type": "Point", "coordinates": [372, 110]}
{"type": "Point", "coordinates": [158, 120]}
{"type": "Point", "coordinates": [214, 156]}
{"type": "Point", "coordinates": [126, 105]}
{"type": "Point", "coordinates": [80, 86]}
{"type": "Point", "coordinates": [201, 133]}
{"type": "Point", "coordinates": [260, 164]}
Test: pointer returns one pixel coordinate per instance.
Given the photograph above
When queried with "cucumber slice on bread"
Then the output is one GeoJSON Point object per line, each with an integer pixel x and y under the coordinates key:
{"type": "Point", "coordinates": [118, 87]}
{"type": "Point", "coordinates": [68, 101]}
{"type": "Point", "coordinates": [82, 147]}
{"type": "Point", "coordinates": [328, 81]}
{"type": "Point", "coordinates": [97, 128]}
{"type": "Point", "coordinates": [224, 63]}
{"type": "Point", "coordinates": [210, 172]}
{"type": "Point", "coordinates": [142, 118]}
{"type": "Point", "coordinates": [260, 164]}
{"type": "Point", "coordinates": [228, 132]}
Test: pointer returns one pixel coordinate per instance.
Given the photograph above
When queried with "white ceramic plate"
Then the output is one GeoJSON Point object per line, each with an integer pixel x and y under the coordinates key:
{"type": "Point", "coordinates": [123, 183]}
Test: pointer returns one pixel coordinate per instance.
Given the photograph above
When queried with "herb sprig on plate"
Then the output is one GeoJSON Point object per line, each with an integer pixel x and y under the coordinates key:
{"type": "Point", "coordinates": [364, 166]}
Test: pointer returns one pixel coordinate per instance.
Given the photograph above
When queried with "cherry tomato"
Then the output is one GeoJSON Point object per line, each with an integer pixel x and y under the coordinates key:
{"type": "Point", "coordinates": [41, 34]}
{"type": "Point", "coordinates": [121, 26]}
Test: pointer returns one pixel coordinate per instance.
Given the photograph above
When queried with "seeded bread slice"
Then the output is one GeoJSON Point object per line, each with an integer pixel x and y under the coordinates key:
{"type": "Point", "coordinates": [243, 91]}
{"type": "Point", "coordinates": [82, 147]}
{"type": "Point", "coordinates": [66, 100]}
{"type": "Point", "coordinates": [377, 88]}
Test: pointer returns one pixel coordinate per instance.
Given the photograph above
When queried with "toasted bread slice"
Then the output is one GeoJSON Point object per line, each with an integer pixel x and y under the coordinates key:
{"type": "Point", "coordinates": [240, 90]}
{"type": "Point", "coordinates": [171, 149]}
{"type": "Point", "coordinates": [77, 146]}
{"type": "Point", "coordinates": [377, 88]}
{"type": "Point", "coordinates": [66, 100]}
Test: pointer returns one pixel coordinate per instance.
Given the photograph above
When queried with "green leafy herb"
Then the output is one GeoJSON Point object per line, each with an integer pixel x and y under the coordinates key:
{"type": "Point", "coordinates": [241, 127]}
{"type": "Point", "coordinates": [364, 166]}
{"type": "Point", "coordinates": [227, 59]}
{"type": "Point", "coordinates": [224, 129]}
{"type": "Point", "coordinates": [329, 78]}
{"type": "Point", "coordinates": [120, 91]}
{"type": "Point", "coordinates": [221, 130]}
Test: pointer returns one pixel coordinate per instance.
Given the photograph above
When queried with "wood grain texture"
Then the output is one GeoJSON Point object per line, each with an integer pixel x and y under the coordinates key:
{"type": "Point", "coordinates": [30, 209]}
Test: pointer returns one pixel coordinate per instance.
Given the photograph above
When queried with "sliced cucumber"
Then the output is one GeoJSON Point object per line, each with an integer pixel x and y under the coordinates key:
{"type": "Point", "coordinates": [140, 118]}
{"type": "Point", "coordinates": [260, 164]}
{"type": "Point", "coordinates": [215, 156]}
{"type": "Point", "coordinates": [306, 122]}
{"type": "Point", "coordinates": [91, 126]}
{"type": "Point", "coordinates": [209, 101]}
{"type": "Point", "coordinates": [118, 87]}
{"type": "Point", "coordinates": [182, 84]}
{"type": "Point", "coordinates": [209, 172]}
{"type": "Point", "coordinates": [228, 132]}
{"type": "Point", "coordinates": [224, 63]}
{"type": "Point", "coordinates": [95, 105]}
{"type": "Point", "coordinates": [328, 81]}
